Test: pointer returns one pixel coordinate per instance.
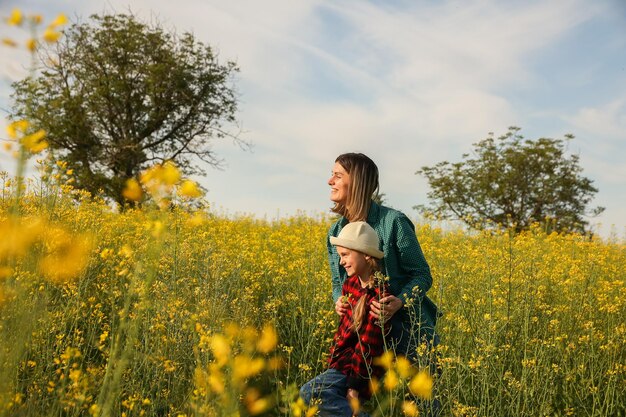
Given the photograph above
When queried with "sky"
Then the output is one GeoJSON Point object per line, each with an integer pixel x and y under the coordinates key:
{"type": "Point", "coordinates": [409, 83]}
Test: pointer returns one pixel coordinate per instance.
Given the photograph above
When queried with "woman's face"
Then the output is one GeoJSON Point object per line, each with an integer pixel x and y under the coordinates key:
{"type": "Point", "coordinates": [354, 262]}
{"type": "Point", "coordinates": [339, 184]}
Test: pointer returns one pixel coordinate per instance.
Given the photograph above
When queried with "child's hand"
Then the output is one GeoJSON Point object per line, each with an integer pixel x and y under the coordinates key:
{"type": "Point", "coordinates": [353, 400]}
{"type": "Point", "coordinates": [341, 306]}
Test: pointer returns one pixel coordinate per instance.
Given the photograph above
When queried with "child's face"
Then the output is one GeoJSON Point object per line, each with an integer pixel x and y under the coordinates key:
{"type": "Point", "coordinates": [354, 262]}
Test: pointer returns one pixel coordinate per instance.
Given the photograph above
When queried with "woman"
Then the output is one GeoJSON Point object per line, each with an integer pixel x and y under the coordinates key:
{"type": "Point", "coordinates": [411, 313]}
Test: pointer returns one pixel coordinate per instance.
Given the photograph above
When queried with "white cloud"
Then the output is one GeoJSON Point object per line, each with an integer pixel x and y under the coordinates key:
{"type": "Point", "coordinates": [607, 120]}
{"type": "Point", "coordinates": [481, 43]}
{"type": "Point", "coordinates": [600, 135]}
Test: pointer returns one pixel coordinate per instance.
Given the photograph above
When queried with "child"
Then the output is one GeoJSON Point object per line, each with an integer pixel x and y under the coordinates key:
{"type": "Point", "coordinates": [359, 337]}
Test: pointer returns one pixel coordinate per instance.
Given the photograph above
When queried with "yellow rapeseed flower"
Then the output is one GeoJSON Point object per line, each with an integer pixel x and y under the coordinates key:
{"type": "Point", "coordinates": [169, 366]}
{"type": "Point", "coordinates": [249, 336]}
{"type": "Point", "coordinates": [60, 20]}
{"type": "Point", "coordinates": [5, 272]}
{"type": "Point", "coordinates": [299, 408]}
{"type": "Point", "coordinates": [125, 251]}
{"type": "Point", "coordinates": [149, 175]}
{"type": "Point", "coordinates": [70, 353]}
{"type": "Point", "coordinates": [159, 180]}
{"type": "Point", "coordinates": [244, 367]}
{"type": "Point", "coordinates": [404, 367]}
{"type": "Point", "coordinates": [374, 385]}
{"type": "Point", "coordinates": [18, 236]}
{"type": "Point", "coordinates": [232, 330]}
{"type": "Point", "coordinates": [75, 375]}
{"type": "Point", "coordinates": [391, 380]}
{"type": "Point", "coordinates": [66, 255]}
{"type": "Point", "coordinates": [198, 219]}
{"type": "Point", "coordinates": [16, 18]}
{"type": "Point", "coordinates": [36, 19]}
{"type": "Point", "coordinates": [409, 408]}
{"type": "Point", "coordinates": [132, 190]}
{"type": "Point", "coordinates": [200, 377]}
{"type": "Point", "coordinates": [35, 142]}
{"type": "Point", "coordinates": [18, 126]}
{"type": "Point", "coordinates": [157, 228]}
{"type": "Point", "coordinates": [216, 382]}
{"type": "Point", "coordinates": [170, 175]}
{"type": "Point", "coordinates": [31, 44]}
{"type": "Point", "coordinates": [385, 360]}
{"type": "Point", "coordinates": [94, 410]}
{"type": "Point", "coordinates": [9, 42]}
{"type": "Point", "coordinates": [255, 403]}
{"type": "Point", "coordinates": [275, 363]}
{"type": "Point", "coordinates": [221, 349]}
{"type": "Point", "coordinates": [189, 189]}
{"type": "Point", "coordinates": [268, 340]}
{"type": "Point", "coordinates": [50, 35]}
{"type": "Point", "coordinates": [422, 385]}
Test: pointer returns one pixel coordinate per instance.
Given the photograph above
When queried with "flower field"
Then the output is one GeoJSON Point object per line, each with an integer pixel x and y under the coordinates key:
{"type": "Point", "coordinates": [176, 312]}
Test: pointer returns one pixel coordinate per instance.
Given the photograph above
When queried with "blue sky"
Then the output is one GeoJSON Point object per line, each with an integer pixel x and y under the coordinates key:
{"type": "Point", "coordinates": [410, 83]}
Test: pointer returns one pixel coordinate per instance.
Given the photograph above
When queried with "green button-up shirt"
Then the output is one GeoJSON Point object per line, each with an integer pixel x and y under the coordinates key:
{"type": "Point", "coordinates": [403, 262]}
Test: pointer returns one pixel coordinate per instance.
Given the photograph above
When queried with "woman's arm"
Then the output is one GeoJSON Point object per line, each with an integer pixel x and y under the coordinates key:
{"type": "Point", "coordinates": [412, 262]}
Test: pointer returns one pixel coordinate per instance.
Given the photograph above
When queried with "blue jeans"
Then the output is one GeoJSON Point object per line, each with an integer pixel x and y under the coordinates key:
{"type": "Point", "coordinates": [331, 388]}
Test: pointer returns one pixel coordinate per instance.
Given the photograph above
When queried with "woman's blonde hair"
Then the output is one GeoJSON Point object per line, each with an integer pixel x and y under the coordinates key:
{"type": "Point", "coordinates": [359, 309]}
{"type": "Point", "coordinates": [363, 174]}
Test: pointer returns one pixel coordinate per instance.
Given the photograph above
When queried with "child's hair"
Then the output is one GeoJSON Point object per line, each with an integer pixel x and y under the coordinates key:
{"type": "Point", "coordinates": [359, 309]}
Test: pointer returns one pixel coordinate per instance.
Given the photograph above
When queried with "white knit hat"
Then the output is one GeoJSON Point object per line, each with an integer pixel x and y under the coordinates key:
{"type": "Point", "coordinates": [358, 236]}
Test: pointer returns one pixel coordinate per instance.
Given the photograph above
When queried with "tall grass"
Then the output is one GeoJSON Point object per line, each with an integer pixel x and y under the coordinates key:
{"type": "Point", "coordinates": [532, 324]}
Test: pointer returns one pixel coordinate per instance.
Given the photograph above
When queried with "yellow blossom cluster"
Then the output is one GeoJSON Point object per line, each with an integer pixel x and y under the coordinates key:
{"type": "Point", "coordinates": [19, 131]}
{"type": "Point", "coordinates": [161, 182]}
{"type": "Point", "coordinates": [402, 376]}
{"type": "Point", "coordinates": [51, 34]}
{"type": "Point", "coordinates": [238, 356]}
{"type": "Point", "coordinates": [62, 255]}
{"type": "Point", "coordinates": [399, 370]}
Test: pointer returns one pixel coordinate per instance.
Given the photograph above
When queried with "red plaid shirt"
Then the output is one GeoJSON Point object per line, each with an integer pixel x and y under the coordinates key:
{"type": "Point", "coordinates": [352, 353]}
